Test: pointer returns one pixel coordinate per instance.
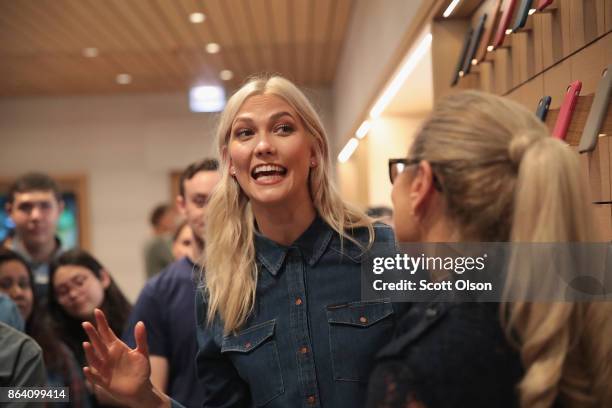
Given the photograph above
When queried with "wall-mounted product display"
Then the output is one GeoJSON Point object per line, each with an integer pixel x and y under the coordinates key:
{"type": "Point", "coordinates": [521, 15]}
{"type": "Point", "coordinates": [474, 42]}
{"type": "Point", "coordinates": [567, 110]}
{"type": "Point", "coordinates": [462, 55]}
{"type": "Point", "coordinates": [543, 106]}
{"type": "Point", "coordinates": [599, 108]}
{"type": "Point", "coordinates": [529, 50]}
{"type": "Point", "coordinates": [490, 26]}
{"type": "Point", "coordinates": [542, 4]}
{"type": "Point", "coordinates": [504, 22]}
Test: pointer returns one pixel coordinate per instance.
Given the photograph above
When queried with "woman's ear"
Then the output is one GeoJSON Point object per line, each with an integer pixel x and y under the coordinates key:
{"type": "Point", "coordinates": [105, 278]}
{"type": "Point", "coordinates": [422, 188]}
{"type": "Point", "coordinates": [227, 158]}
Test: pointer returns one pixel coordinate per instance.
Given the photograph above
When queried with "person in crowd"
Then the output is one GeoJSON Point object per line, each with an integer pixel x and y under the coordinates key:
{"type": "Point", "coordinates": [183, 242]}
{"type": "Point", "coordinates": [35, 204]}
{"type": "Point", "coordinates": [483, 168]}
{"type": "Point", "coordinates": [21, 361]}
{"type": "Point", "coordinates": [280, 317]}
{"type": "Point", "coordinates": [166, 305]}
{"type": "Point", "coordinates": [158, 252]}
{"type": "Point", "coordinates": [62, 368]}
{"type": "Point", "coordinates": [7, 242]}
{"type": "Point", "coordinates": [10, 314]}
{"type": "Point", "coordinates": [78, 285]}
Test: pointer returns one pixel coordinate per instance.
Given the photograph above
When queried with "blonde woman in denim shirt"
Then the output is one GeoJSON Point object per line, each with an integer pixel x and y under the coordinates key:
{"type": "Point", "coordinates": [287, 326]}
{"type": "Point", "coordinates": [484, 169]}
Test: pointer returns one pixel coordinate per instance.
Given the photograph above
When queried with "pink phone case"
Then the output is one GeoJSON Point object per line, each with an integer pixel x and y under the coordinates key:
{"type": "Point", "coordinates": [542, 4]}
{"type": "Point", "coordinates": [566, 111]}
{"type": "Point", "coordinates": [504, 21]}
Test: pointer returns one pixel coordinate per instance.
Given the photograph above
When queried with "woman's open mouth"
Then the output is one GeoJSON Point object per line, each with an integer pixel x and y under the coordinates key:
{"type": "Point", "coordinates": [268, 173]}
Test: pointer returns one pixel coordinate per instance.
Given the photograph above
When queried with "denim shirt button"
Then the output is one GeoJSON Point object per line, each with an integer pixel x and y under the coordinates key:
{"type": "Point", "coordinates": [311, 400]}
{"type": "Point", "coordinates": [304, 350]}
{"type": "Point", "coordinates": [298, 301]}
{"type": "Point", "coordinates": [247, 344]}
{"type": "Point", "coordinates": [363, 319]}
{"type": "Point", "coordinates": [431, 312]}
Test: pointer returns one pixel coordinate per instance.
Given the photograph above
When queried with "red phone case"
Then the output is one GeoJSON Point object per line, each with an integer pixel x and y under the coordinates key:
{"type": "Point", "coordinates": [542, 4]}
{"type": "Point", "coordinates": [504, 21]}
{"type": "Point", "coordinates": [566, 111]}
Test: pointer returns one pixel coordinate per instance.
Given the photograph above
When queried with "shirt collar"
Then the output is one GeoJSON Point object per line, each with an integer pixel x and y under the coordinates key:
{"type": "Point", "coordinates": [19, 247]}
{"type": "Point", "coordinates": [312, 244]}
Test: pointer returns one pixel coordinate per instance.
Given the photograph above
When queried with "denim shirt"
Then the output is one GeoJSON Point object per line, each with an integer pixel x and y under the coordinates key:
{"type": "Point", "coordinates": [310, 340]}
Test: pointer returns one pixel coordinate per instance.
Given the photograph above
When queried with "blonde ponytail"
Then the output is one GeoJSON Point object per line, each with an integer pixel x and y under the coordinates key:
{"type": "Point", "coordinates": [505, 179]}
{"type": "Point", "coordinates": [565, 356]}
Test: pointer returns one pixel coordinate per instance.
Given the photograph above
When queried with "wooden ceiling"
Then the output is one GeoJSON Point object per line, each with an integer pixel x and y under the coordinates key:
{"type": "Point", "coordinates": [42, 43]}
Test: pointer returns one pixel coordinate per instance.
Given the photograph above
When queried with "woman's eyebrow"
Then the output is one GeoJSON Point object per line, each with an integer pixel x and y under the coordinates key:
{"type": "Point", "coordinates": [279, 115]}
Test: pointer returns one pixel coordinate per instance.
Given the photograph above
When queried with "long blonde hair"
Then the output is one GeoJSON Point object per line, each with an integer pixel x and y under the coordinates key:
{"type": "Point", "coordinates": [505, 179]}
{"type": "Point", "coordinates": [230, 268]}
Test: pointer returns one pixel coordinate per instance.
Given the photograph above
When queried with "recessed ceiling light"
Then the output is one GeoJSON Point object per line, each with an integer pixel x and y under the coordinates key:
{"type": "Point", "coordinates": [197, 18]}
{"type": "Point", "coordinates": [226, 75]}
{"type": "Point", "coordinates": [124, 79]}
{"type": "Point", "coordinates": [90, 52]}
{"type": "Point", "coordinates": [213, 48]}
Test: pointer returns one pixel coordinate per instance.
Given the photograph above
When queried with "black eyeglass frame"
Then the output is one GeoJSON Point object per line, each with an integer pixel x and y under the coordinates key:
{"type": "Point", "coordinates": [411, 162]}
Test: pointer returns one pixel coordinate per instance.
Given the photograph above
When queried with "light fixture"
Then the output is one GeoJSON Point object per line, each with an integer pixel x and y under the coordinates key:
{"type": "Point", "coordinates": [226, 75]}
{"type": "Point", "coordinates": [213, 48]}
{"type": "Point", "coordinates": [197, 18]}
{"type": "Point", "coordinates": [206, 99]}
{"type": "Point", "coordinates": [451, 7]}
{"type": "Point", "coordinates": [123, 79]}
{"type": "Point", "coordinates": [363, 129]}
{"type": "Point", "coordinates": [508, 31]}
{"type": "Point", "coordinates": [532, 11]}
{"type": "Point", "coordinates": [90, 52]}
{"type": "Point", "coordinates": [490, 48]}
{"type": "Point", "coordinates": [348, 150]}
{"type": "Point", "coordinates": [399, 79]}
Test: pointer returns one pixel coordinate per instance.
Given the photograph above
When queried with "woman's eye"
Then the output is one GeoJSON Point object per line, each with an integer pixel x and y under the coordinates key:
{"type": "Point", "coordinates": [242, 133]}
{"type": "Point", "coordinates": [284, 129]}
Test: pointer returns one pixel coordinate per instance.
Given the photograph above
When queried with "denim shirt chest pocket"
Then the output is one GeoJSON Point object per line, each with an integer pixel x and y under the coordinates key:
{"type": "Point", "coordinates": [357, 330]}
{"type": "Point", "coordinates": [254, 353]}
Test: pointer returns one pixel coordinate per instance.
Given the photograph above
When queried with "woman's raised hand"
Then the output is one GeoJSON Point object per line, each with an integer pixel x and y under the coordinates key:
{"type": "Point", "coordinates": [116, 368]}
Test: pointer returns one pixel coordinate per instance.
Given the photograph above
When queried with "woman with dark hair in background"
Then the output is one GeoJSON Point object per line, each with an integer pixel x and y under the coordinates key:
{"type": "Point", "coordinates": [62, 368]}
{"type": "Point", "coordinates": [78, 285]}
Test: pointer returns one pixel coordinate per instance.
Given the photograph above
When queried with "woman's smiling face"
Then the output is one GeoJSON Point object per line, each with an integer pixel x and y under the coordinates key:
{"type": "Point", "coordinates": [270, 152]}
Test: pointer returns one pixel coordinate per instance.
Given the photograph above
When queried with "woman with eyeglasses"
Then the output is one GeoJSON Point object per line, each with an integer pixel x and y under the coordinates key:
{"type": "Point", "coordinates": [484, 169]}
{"type": "Point", "coordinates": [281, 322]}
{"type": "Point", "coordinates": [16, 281]}
{"type": "Point", "coordinates": [79, 284]}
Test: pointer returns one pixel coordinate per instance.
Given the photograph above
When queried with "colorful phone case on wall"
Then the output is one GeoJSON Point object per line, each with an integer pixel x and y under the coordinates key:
{"type": "Point", "coordinates": [597, 114]}
{"type": "Point", "coordinates": [521, 15]}
{"type": "Point", "coordinates": [464, 50]}
{"type": "Point", "coordinates": [542, 4]}
{"type": "Point", "coordinates": [542, 109]}
{"type": "Point", "coordinates": [566, 111]}
{"type": "Point", "coordinates": [504, 21]}
{"type": "Point", "coordinates": [474, 42]}
{"type": "Point", "coordinates": [487, 36]}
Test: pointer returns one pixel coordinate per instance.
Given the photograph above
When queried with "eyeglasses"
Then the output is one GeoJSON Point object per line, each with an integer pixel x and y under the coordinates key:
{"type": "Point", "coordinates": [398, 166]}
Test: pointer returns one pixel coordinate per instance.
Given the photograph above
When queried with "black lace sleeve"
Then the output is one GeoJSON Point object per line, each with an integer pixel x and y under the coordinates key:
{"type": "Point", "coordinates": [392, 386]}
